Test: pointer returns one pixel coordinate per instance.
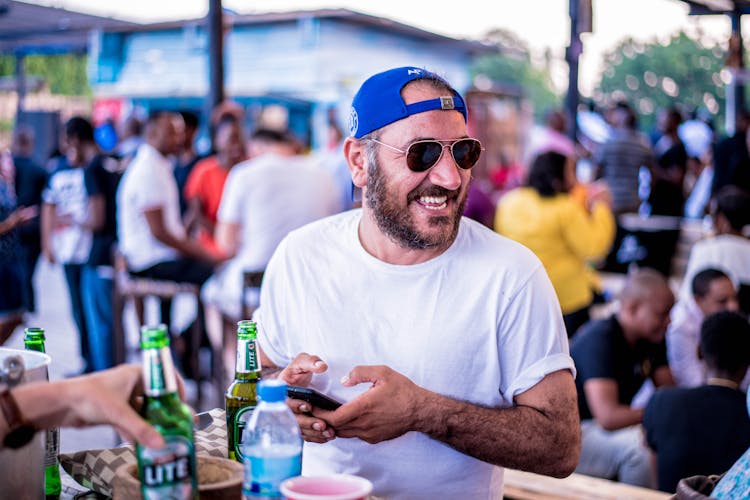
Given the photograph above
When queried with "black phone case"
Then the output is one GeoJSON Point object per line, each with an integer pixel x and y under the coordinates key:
{"type": "Point", "coordinates": [313, 397]}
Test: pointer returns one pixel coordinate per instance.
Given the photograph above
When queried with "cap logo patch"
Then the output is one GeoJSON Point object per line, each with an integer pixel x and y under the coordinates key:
{"type": "Point", "coordinates": [353, 122]}
{"type": "Point", "coordinates": [414, 71]}
{"type": "Point", "coordinates": [447, 103]}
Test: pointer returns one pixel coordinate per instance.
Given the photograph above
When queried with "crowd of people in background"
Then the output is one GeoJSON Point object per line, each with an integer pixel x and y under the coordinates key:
{"type": "Point", "coordinates": [175, 214]}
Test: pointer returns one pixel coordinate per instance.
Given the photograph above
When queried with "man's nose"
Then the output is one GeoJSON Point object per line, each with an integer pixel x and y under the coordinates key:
{"type": "Point", "coordinates": [445, 172]}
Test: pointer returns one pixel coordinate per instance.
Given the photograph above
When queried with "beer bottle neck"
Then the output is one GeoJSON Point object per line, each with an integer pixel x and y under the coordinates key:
{"type": "Point", "coordinates": [248, 361]}
{"type": "Point", "coordinates": [159, 377]}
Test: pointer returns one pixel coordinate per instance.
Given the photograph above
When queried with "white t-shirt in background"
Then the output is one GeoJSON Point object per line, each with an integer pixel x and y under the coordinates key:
{"type": "Point", "coordinates": [479, 323]}
{"type": "Point", "coordinates": [66, 190]}
{"type": "Point", "coordinates": [267, 196]}
{"type": "Point", "coordinates": [148, 183]}
{"type": "Point", "coordinates": [726, 252]}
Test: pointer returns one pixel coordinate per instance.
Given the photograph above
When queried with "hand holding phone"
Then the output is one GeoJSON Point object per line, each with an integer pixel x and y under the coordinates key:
{"type": "Point", "coordinates": [315, 398]}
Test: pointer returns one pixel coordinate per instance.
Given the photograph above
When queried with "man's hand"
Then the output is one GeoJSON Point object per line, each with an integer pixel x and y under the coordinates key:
{"type": "Point", "coordinates": [385, 411]}
{"type": "Point", "coordinates": [299, 372]}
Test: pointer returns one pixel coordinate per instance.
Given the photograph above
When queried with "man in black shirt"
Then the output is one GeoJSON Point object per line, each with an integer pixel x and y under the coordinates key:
{"type": "Point", "coordinates": [101, 177]}
{"type": "Point", "coordinates": [614, 357]}
{"type": "Point", "coordinates": [703, 430]}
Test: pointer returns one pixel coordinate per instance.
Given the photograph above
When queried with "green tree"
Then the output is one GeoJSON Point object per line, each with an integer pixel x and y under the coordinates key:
{"type": "Point", "coordinates": [64, 74]}
{"type": "Point", "coordinates": [653, 76]}
{"type": "Point", "coordinates": [513, 66]}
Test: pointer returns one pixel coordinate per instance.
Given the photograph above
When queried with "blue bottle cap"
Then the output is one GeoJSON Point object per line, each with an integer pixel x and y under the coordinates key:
{"type": "Point", "coordinates": [272, 390]}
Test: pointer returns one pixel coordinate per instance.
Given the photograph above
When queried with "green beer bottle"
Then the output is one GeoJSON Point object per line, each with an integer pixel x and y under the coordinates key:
{"type": "Point", "coordinates": [34, 341]}
{"type": "Point", "coordinates": [171, 471]}
{"type": "Point", "coordinates": [242, 393]}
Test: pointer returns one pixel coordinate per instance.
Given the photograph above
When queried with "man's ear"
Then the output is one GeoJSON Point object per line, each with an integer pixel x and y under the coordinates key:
{"type": "Point", "coordinates": [356, 159]}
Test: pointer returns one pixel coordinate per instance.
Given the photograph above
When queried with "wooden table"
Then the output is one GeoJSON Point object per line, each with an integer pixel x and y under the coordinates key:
{"type": "Point", "coordinates": [528, 486]}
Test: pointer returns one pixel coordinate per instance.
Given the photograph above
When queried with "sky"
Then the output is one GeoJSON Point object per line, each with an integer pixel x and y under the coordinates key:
{"type": "Point", "coordinates": [543, 24]}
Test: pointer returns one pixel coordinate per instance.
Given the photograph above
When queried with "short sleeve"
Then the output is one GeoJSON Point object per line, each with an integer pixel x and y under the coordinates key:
{"type": "Point", "coordinates": [593, 355]}
{"type": "Point", "coordinates": [49, 195]}
{"type": "Point", "coordinates": [532, 337]}
{"type": "Point", "coordinates": [150, 193]}
{"type": "Point", "coordinates": [92, 177]}
{"type": "Point", "coordinates": [230, 207]}
{"type": "Point", "coordinates": [195, 181]}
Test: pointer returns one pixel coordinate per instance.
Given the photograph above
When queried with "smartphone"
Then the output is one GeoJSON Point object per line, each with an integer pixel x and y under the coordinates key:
{"type": "Point", "coordinates": [313, 397]}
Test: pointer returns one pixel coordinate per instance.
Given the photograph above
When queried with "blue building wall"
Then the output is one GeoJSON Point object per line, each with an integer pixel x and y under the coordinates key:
{"type": "Point", "coordinates": [308, 64]}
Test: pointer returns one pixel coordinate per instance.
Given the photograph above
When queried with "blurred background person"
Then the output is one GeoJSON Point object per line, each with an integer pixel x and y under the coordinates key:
{"type": "Point", "coordinates": [550, 137]}
{"type": "Point", "coordinates": [150, 231]}
{"type": "Point", "coordinates": [205, 185]}
{"type": "Point", "coordinates": [565, 234]}
{"type": "Point", "coordinates": [130, 136]}
{"type": "Point", "coordinates": [274, 192]}
{"type": "Point", "coordinates": [620, 158]}
{"type": "Point", "coordinates": [30, 180]}
{"type": "Point", "coordinates": [712, 291]}
{"type": "Point", "coordinates": [479, 203]}
{"type": "Point", "coordinates": [12, 277]}
{"type": "Point", "coordinates": [101, 178]}
{"type": "Point", "coordinates": [668, 173]}
{"type": "Point", "coordinates": [728, 249]}
{"type": "Point", "coordinates": [731, 157]}
{"type": "Point", "coordinates": [65, 237]}
{"type": "Point", "coordinates": [703, 430]}
{"type": "Point", "coordinates": [614, 356]}
{"type": "Point", "coordinates": [186, 157]}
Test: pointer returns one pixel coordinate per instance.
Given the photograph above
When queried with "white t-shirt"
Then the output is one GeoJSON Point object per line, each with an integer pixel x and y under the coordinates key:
{"type": "Point", "coordinates": [66, 190]}
{"type": "Point", "coordinates": [267, 196]}
{"type": "Point", "coordinates": [147, 184]}
{"type": "Point", "coordinates": [479, 323]}
{"type": "Point", "coordinates": [726, 252]}
{"type": "Point", "coordinates": [683, 338]}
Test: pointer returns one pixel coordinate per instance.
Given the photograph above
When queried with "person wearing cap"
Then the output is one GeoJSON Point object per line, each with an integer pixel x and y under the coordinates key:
{"type": "Point", "coordinates": [444, 340]}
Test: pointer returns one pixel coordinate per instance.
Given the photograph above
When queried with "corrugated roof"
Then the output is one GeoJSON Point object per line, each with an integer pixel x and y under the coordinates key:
{"type": "Point", "coordinates": [28, 28]}
{"type": "Point", "coordinates": [31, 28]}
{"type": "Point", "coordinates": [350, 16]}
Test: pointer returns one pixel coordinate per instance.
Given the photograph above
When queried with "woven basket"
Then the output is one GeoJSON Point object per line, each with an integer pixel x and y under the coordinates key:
{"type": "Point", "coordinates": [218, 479]}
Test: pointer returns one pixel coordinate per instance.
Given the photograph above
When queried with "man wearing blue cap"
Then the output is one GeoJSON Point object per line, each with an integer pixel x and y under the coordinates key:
{"type": "Point", "coordinates": [444, 340]}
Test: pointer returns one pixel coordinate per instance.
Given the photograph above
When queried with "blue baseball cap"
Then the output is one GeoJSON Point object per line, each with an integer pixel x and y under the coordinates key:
{"type": "Point", "coordinates": [378, 101]}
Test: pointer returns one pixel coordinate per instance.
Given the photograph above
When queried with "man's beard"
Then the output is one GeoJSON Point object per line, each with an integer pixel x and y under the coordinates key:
{"type": "Point", "coordinates": [397, 222]}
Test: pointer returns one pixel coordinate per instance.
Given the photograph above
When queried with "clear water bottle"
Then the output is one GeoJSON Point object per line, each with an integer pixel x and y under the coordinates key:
{"type": "Point", "coordinates": [271, 443]}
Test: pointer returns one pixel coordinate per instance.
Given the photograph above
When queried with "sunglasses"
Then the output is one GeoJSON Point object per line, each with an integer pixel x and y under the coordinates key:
{"type": "Point", "coordinates": [423, 155]}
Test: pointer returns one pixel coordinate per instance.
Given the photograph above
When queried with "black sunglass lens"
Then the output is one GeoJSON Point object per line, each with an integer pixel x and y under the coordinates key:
{"type": "Point", "coordinates": [466, 152]}
{"type": "Point", "coordinates": [423, 155]}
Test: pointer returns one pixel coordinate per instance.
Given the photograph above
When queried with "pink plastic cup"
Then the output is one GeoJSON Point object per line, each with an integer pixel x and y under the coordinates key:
{"type": "Point", "coordinates": [333, 487]}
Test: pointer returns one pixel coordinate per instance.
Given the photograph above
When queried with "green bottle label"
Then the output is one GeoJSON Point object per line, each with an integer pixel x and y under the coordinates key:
{"type": "Point", "coordinates": [251, 359]}
{"type": "Point", "coordinates": [169, 472]}
{"type": "Point", "coordinates": [238, 426]}
{"type": "Point", "coordinates": [247, 356]}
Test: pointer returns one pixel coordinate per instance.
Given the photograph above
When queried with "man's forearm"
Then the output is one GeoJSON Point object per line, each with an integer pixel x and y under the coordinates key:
{"type": "Point", "coordinates": [620, 417]}
{"type": "Point", "coordinates": [521, 437]}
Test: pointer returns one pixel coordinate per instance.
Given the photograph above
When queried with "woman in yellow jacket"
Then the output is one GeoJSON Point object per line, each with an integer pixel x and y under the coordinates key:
{"type": "Point", "coordinates": [565, 225]}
